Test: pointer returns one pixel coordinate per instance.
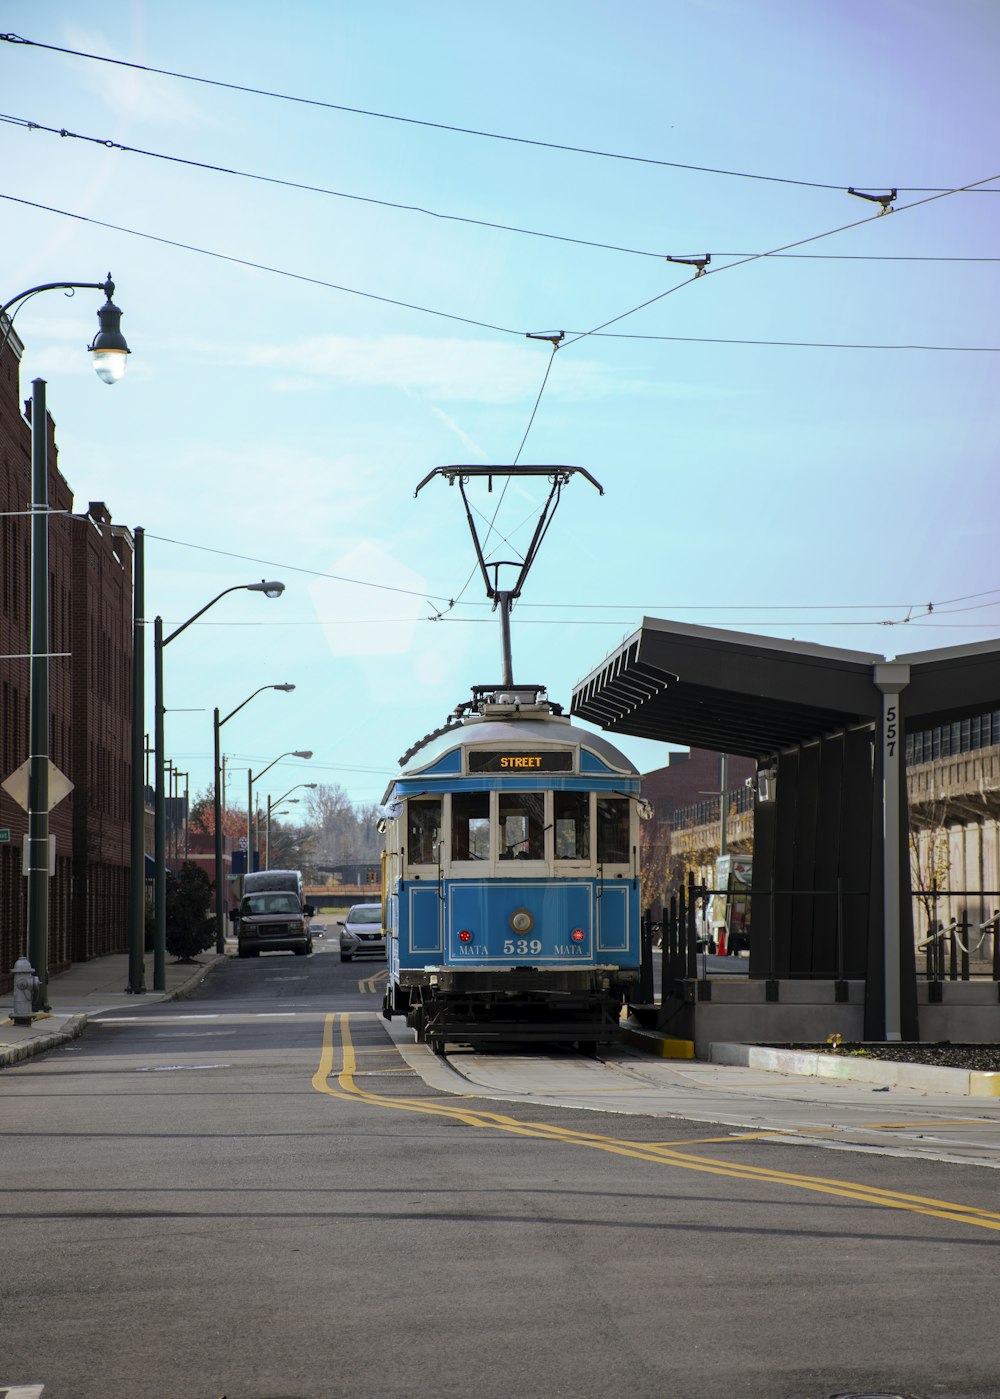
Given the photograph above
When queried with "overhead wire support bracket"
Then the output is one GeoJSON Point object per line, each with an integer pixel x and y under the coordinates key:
{"type": "Point", "coordinates": [699, 262]}
{"type": "Point", "coordinates": [886, 200]}
{"type": "Point", "coordinates": [555, 338]}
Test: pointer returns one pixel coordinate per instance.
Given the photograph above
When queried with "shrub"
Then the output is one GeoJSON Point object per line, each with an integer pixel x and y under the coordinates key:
{"type": "Point", "coordinates": [189, 927]}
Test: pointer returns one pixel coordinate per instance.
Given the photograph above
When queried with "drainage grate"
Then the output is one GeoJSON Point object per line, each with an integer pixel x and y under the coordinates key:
{"type": "Point", "coordinates": [383, 1073]}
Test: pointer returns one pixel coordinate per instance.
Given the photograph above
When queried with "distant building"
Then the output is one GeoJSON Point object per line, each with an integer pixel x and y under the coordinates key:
{"type": "Point", "coordinates": [684, 831]}
{"type": "Point", "coordinates": [90, 679]}
{"type": "Point", "coordinates": [691, 782]}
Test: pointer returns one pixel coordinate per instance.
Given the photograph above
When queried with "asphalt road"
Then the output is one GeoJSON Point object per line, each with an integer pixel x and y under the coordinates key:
{"type": "Point", "coordinates": [256, 1193]}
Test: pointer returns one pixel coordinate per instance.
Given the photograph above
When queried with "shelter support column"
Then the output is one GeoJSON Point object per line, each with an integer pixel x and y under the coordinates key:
{"type": "Point", "coordinates": [891, 679]}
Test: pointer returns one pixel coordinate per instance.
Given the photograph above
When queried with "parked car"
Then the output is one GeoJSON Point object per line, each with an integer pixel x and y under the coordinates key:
{"type": "Point", "coordinates": [362, 933]}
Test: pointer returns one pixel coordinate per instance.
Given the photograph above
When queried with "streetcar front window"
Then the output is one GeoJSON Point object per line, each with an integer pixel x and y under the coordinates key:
{"type": "Point", "coordinates": [612, 831]}
{"type": "Point", "coordinates": [522, 825]}
{"type": "Point", "coordinates": [470, 826]}
{"type": "Point", "coordinates": [571, 817]}
{"type": "Point", "coordinates": [423, 831]}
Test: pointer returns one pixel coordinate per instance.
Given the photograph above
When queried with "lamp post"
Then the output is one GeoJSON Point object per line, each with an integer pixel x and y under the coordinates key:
{"type": "Point", "coordinates": [272, 806]}
{"type": "Point", "coordinates": [271, 590]}
{"type": "Point", "coordinates": [293, 801]}
{"type": "Point", "coordinates": [220, 923]}
{"type": "Point", "coordinates": [255, 777]}
{"type": "Point", "coordinates": [108, 353]}
{"type": "Point", "coordinates": [137, 892]}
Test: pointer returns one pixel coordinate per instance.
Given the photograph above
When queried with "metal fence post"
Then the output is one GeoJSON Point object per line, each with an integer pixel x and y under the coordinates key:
{"type": "Point", "coordinates": [645, 961]}
{"type": "Point", "coordinates": [691, 930]}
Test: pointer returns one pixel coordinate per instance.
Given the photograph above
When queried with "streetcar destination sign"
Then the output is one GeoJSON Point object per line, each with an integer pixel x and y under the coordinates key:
{"type": "Point", "coordinates": [481, 760]}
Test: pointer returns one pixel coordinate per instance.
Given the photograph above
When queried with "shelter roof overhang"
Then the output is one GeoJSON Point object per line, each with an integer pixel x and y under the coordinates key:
{"type": "Point", "coordinates": [727, 691]}
{"type": "Point", "coordinates": [735, 692]}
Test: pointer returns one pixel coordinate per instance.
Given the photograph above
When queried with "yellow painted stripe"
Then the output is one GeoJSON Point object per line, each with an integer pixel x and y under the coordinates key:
{"type": "Point", "coordinates": [640, 1151]}
{"type": "Point", "coordinates": [660, 1045]}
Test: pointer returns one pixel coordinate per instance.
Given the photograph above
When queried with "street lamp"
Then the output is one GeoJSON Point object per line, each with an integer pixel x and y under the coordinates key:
{"type": "Point", "coordinates": [253, 777]}
{"type": "Point", "coordinates": [220, 924]}
{"type": "Point", "coordinates": [292, 801]}
{"type": "Point", "coordinates": [108, 352]}
{"type": "Point", "coordinates": [272, 806]}
{"type": "Point", "coordinates": [269, 589]}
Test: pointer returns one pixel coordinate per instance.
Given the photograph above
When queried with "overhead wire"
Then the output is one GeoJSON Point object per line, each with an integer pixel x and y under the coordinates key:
{"type": "Point", "coordinates": [704, 272]}
{"type": "Point", "coordinates": [918, 611]}
{"type": "Point", "coordinates": [403, 207]}
{"type": "Point", "coordinates": [264, 267]}
{"type": "Point", "coordinates": [623, 606]}
{"type": "Point", "coordinates": [288, 567]}
{"type": "Point", "coordinates": [457, 129]}
{"type": "Point", "coordinates": [471, 321]}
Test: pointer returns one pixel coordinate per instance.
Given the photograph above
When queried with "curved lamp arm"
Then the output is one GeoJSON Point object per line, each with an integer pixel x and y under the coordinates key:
{"type": "Point", "coordinates": [272, 589]}
{"type": "Point", "coordinates": [287, 688]}
{"type": "Point", "coordinates": [296, 753]}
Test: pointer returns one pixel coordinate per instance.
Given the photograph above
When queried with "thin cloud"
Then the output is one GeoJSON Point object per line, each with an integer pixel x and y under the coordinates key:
{"type": "Point", "coordinates": [125, 93]}
{"type": "Point", "coordinates": [463, 437]}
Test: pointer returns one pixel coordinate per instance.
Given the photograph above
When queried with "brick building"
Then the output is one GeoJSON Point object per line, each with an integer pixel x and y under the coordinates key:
{"type": "Point", "coordinates": [90, 678]}
{"type": "Point", "coordinates": [690, 779]}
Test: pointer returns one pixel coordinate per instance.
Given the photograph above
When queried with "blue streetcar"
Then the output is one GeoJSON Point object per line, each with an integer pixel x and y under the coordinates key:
{"type": "Point", "coordinates": [511, 877]}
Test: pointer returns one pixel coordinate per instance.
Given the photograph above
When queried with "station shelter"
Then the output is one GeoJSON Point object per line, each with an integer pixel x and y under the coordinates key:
{"type": "Point", "coordinates": [826, 728]}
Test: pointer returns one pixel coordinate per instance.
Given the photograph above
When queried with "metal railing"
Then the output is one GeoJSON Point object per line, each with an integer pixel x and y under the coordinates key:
{"type": "Point", "coordinates": [949, 948]}
{"type": "Point", "coordinates": [703, 813]}
{"type": "Point", "coordinates": [962, 950]}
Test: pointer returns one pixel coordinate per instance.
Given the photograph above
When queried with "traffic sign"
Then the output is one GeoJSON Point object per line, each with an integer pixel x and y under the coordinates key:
{"type": "Point", "coordinates": [16, 785]}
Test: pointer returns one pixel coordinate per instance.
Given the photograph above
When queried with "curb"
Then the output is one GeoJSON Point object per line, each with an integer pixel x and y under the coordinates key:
{"type": "Point", "coordinates": [14, 1053]}
{"type": "Point", "coordinates": [661, 1045]}
{"type": "Point", "coordinates": [195, 979]}
{"type": "Point", "coordinates": [967, 1083]}
{"type": "Point", "coordinates": [76, 1024]}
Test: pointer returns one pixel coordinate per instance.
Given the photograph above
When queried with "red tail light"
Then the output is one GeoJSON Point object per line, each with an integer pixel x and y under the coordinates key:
{"type": "Point", "coordinates": [577, 935]}
{"type": "Point", "coordinates": [465, 935]}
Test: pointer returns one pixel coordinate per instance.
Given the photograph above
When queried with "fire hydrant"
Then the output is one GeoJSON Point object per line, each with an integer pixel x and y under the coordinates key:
{"type": "Point", "coordinates": [26, 983]}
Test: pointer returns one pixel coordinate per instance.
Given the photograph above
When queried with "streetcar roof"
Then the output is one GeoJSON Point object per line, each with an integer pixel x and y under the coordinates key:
{"type": "Point", "coordinates": [552, 731]}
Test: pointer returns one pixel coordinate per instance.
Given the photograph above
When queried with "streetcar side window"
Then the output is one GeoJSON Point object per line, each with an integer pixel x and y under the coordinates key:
{"type": "Point", "coordinates": [423, 831]}
{"type": "Point", "coordinates": [571, 818]}
{"type": "Point", "coordinates": [522, 825]}
{"type": "Point", "coordinates": [612, 831]}
{"type": "Point", "coordinates": [470, 826]}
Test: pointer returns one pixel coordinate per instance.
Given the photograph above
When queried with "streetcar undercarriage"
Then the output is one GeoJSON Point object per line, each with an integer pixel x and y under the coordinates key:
{"type": "Point", "coordinates": [522, 1004]}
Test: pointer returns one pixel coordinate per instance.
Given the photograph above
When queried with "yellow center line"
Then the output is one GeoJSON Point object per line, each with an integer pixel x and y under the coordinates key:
{"type": "Point", "coordinates": [640, 1151]}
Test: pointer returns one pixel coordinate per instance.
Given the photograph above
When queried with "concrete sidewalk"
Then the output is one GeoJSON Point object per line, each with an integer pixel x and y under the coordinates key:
{"type": "Point", "coordinates": [86, 989]}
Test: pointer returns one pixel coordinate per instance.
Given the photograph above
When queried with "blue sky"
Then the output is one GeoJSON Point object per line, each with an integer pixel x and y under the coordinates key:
{"type": "Point", "coordinates": [271, 426]}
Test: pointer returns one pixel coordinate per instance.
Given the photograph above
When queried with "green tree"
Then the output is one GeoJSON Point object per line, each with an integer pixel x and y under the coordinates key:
{"type": "Point", "coordinates": [189, 927]}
